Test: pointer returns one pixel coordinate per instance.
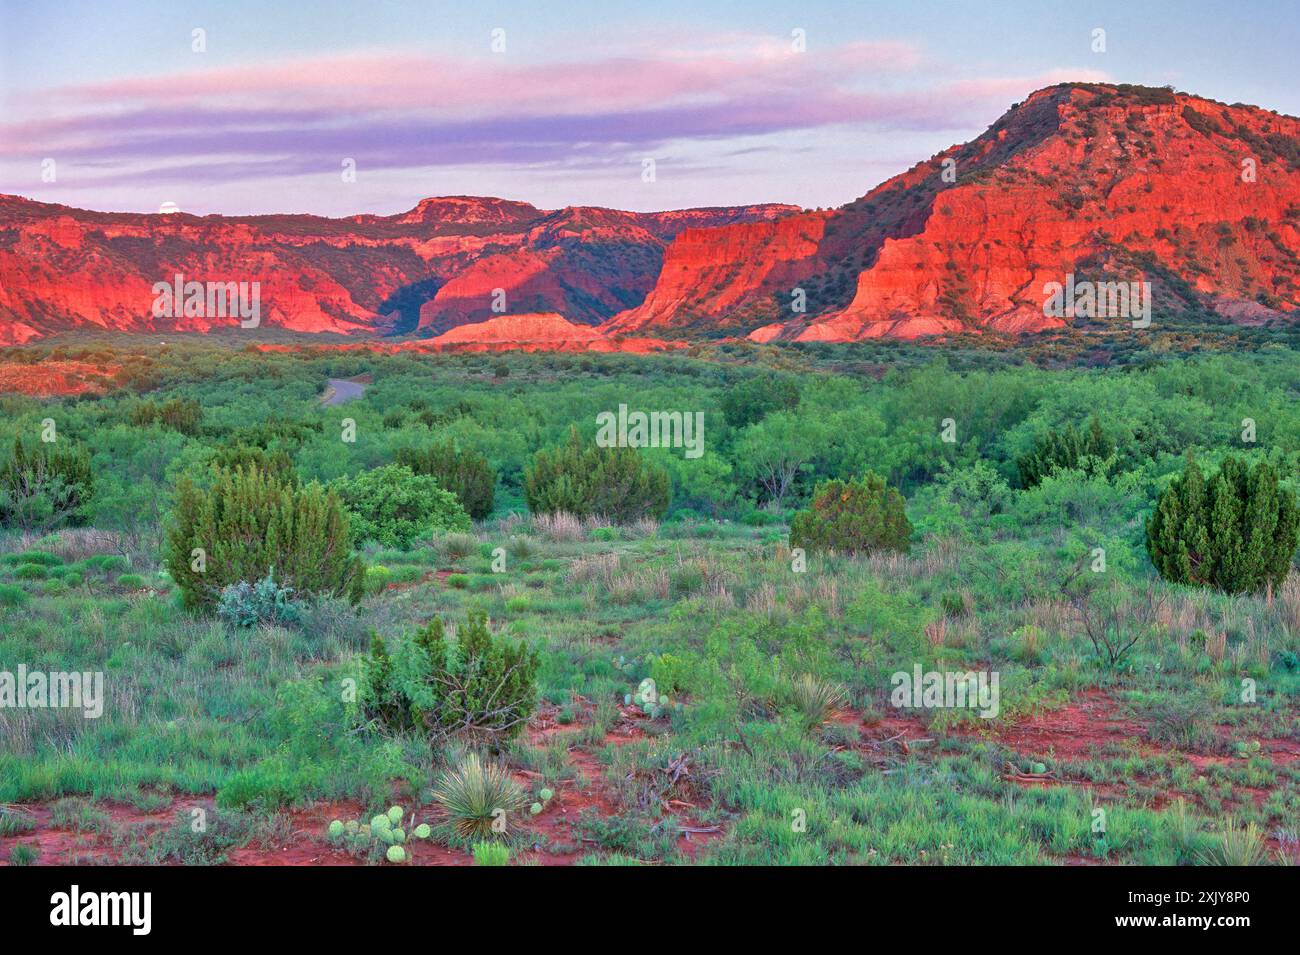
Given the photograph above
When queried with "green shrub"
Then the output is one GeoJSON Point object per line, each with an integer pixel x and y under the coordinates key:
{"type": "Point", "coordinates": [491, 853]}
{"type": "Point", "coordinates": [591, 481]}
{"type": "Point", "coordinates": [34, 557]}
{"type": "Point", "coordinates": [184, 415]}
{"type": "Point", "coordinates": [458, 546]}
{"type": "Point", "coordinates": [131, 581]}
{"type": "Point", "coordinates": [248, 523]}
{"type": "Point", "coordinates": [752, 400]}
{"type": "Point", "coordinates": [105, 563]}
{"type": "Point", "coordinates": [395, 506]}
{"type": "Point", "coordinates": [758, 518]}
{"type": "Point", "coordinates": [1055, 451]}
{"type": "Point", "coordinates": [1236, 532]}
{"type": "Point", "coordinates": [377, 579]}
{"type": "Point", "coordinates": [276, 463]}
{"type": "Point", "coordinates": [247, 605]}
{"type": "Point", "coordinates": [41, 489]}
{"type": "Point", "coordinates": [31, 572]}
{"type": "Point", "coordinates": [23, 854]}
{"type": "Point", "coordinates": [405, 574]}
{"type": "Point", "coordinates": [477, 685]}
{"type": "Point", "coordinates": [954, 604]}
{"type": "Point", "coordinates": [12, 596]}
{"type": "Point", "coordinates": [465, 473]}
{"type": "Point", "coordinates": [859, 516]}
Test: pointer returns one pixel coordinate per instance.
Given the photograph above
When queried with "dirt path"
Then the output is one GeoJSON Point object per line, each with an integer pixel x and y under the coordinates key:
{"type": "Point", "coordinates": [340, 390]}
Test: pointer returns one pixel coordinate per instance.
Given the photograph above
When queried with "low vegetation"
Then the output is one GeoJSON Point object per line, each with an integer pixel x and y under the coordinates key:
{"type": "Point", "coordinates": [632, 656]}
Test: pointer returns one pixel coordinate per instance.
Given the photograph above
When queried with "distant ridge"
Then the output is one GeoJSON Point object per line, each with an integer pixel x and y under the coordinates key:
{"type": "Point", "coordinates": [1099, 181]}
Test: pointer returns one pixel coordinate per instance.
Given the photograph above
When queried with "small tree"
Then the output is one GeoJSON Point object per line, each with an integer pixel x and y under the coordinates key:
{"type": "Point", "coordinates": [853, 517]}
{"type": "Point", "coordinates": [753, 399]}
{"type": "Point", "coordinates": [588, 480]}
{"type": "Point", "coordinates": [1061, 450]}
{"type": "Point", "coordinates": [1236, 532]}
{"type": "Point", "coordinates": [179, 414]}
{"type": "Point", "coordinates": [43, 488]}
{"type": "Point", "coordinates": [1113, 621]}
{"type": "Point", "coordinates": [777, 451]}
{"type": "Point", "coordinates": [464, 472]}
{"type": "Point", "coordinates": [275, 463]}
{"type": "Point", "coordinates": [477, 685]}
{"type": "Point", "coordinates": [395, 506]}
{"type": "Point", "coordinates": [248, 524]}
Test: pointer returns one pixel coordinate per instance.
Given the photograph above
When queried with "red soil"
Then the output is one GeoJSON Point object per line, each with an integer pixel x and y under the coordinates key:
{"type": "Point", "coordinates": [558, 840]}
{"type": "Point", "coordinates": [558, 821]}
{"type": "Point", "coordinates": [50, 378]}
{"type": "Point", "coordinates": [1087, 727]}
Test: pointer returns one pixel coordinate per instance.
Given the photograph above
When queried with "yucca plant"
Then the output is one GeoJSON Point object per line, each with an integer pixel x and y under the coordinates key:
{"type": "Point", "coordinates": [815, 698]}
{"type": "Point", "coordinates": [1184, 828]}
{"type": "Point", "coordinates": [475, 794]}
{"type": "Point", "coordinates": [1235, 846]}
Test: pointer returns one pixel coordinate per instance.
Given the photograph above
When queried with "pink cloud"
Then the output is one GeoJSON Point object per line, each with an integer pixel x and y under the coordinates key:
{"type": "Point", "coordinates": [405, 110]}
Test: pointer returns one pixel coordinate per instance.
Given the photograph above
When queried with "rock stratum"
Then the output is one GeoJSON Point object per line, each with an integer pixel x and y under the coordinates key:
{"type": "Point", "coordinates": [1083, 182]}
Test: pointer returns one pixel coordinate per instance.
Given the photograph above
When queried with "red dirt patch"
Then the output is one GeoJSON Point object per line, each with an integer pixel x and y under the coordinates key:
{"type": "Point", "coordinates": [305, 845]}
{"type": "Point", "coordinates": [51, 378]}
{"type": "Point", "coordinates": [1079, 728]}
{"type": "Point", "coordinates": [591, 793]}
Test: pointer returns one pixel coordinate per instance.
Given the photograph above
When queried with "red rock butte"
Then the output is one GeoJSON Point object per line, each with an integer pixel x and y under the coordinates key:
{"type": "Point", "coordinates": [1104, 182]}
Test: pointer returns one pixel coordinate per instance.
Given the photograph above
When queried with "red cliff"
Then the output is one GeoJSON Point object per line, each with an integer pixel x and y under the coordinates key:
{"type": "Point", "coordinates": [1088, 182]}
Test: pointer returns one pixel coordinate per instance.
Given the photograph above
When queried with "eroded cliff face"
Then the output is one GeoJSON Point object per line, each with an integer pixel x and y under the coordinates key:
{"type": "Point", "coordinates": [1098, 182]}
{"type": "Point", "coordinates": [1186, 194]}
{"type": "Point", "coordinates": [1104, 183]}
{"type": "Point", "coordinates": [710, 276]}
{"type": "Point", "coordinates": [589, 264]}
{"type": "Point", "coordinates": [433, 267]}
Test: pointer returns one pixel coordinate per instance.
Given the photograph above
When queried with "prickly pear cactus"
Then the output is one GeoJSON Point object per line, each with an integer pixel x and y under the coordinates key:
{"type": "Point", "coordinates": [646, 692]}
{"type": "Point", "coordinates": [383, 831]}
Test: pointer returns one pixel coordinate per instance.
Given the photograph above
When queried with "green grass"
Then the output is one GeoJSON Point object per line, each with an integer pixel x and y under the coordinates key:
{"type": "Point", "coordinates": [781, 741]}
{"type": "Point", "coordinates": [252, 716]}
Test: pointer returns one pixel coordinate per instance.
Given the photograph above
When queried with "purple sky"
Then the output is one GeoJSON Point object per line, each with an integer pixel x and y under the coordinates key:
{"type": "Point", "coordinates": [732, 102]}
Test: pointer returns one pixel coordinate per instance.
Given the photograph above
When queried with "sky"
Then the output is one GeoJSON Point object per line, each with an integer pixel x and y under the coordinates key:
{"type": "Point", "coordinates": [339, 108]}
